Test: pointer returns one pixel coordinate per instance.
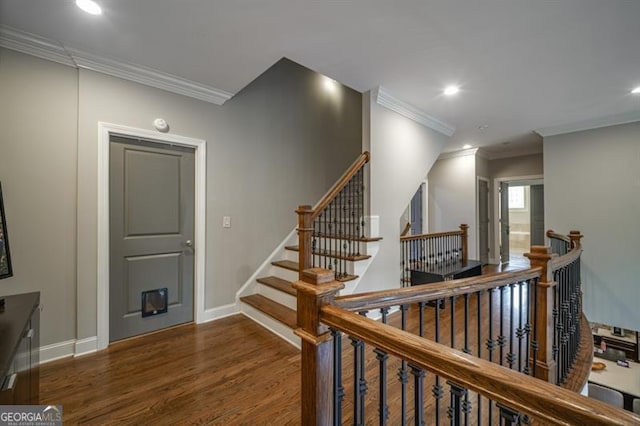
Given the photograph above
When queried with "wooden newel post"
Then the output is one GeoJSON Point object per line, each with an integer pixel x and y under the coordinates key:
{"type": "Point", "coordinates": [465, 246]}
{"type": "Point", "coordinates": [305, 236]}
{"type": "Point", "coordinates": [316, 288]}
{"type": "Point", "coordinates": [543, 315]}
{"type": "Point", "coordinates": [575, 237]}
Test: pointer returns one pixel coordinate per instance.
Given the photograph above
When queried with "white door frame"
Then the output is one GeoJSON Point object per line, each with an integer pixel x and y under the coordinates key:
{"type": "Point", "coordinates": [105, 130]}
{"type": "Point", "coordinates": [496, 207]}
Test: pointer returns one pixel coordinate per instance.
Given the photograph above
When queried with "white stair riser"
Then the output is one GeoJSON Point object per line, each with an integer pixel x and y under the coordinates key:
{"type": "Point", "coordinates": [270, 324]}
{"type": "Point", "coordinates": [285, 274]}
{"type": "Point", "coordinates": [277, 296]}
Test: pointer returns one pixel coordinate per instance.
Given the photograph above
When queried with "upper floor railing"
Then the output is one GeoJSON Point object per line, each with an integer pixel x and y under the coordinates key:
{"type": "Point", "coordinates": [468, 351]}
{"type": "Point", "coordinates": [425, 252]}
{"type": "Point", "coordinates": [329, 233]}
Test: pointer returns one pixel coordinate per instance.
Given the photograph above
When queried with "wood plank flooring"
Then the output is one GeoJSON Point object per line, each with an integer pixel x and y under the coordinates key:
{"type": "Point", "coordinates": [228, 372]}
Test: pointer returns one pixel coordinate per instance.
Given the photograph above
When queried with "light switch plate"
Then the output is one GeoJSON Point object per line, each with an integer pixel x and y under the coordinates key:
{"type": "Point", "coordinates": [226, 221]}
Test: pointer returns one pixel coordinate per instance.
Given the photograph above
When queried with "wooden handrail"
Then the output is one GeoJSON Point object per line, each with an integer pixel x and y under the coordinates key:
{"type": "Point", "coordinates": [429, 292]}
{"type": "Point", "coordinates": [566, 259]}
{"type": "Point", "coordinates": [406, 230]}
{"type": "Point", "coordinates": [536, 398]}
{"type": "Point", "coordinates": [554, 235]}
{"type": "Point", "coordinates": [434, 235]}
{"type": "Point", "coordinates": [340, 184]}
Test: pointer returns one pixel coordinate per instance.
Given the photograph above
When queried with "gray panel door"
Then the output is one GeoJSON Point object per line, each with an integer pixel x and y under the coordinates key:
{"type": "Point", "coordinates": [151, 202]}
{"type": "Point", "coordinates": [536, 196]}
{"type": "Point", "coordinates": [483, 221]}
{"type": "Point", "coordinates": [416, 212]}
{"type": "Point", "coordinates": [504, 222]}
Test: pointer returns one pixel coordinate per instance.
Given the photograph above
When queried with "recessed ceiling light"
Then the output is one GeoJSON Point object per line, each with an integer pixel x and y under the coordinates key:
{"type": "Point", "coordinates": [89, 6]}
{"type": "Point", "coordinates": [636, 90]}
{"type": "Point", "coordinates": [466, 146]}
{"type": "Point", "coordinates": [451, 90]}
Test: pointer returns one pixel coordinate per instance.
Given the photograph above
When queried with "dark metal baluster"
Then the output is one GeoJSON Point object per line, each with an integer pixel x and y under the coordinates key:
{"type": "Point", "coordinates": [402, 374]}
{"type": "Point", "coordinates": [383, 408]}
{"type": "Point", "coordinates": [466, 348]}
{"type": "Point", "coordinates": [534, 342]}
{"type": "Point", "coordinates": [359, 382]}
{"type": "Point", "coordinates": [491, 344]}
{"type": "Point", "coordinates": [527, 331]}
{"type": "Point", "coordinates": [479, 349]}
{"type": "Point", "coordinates": [437, 390]}
{"type": "Point", "coordinates": [421, 306]}
{"type": "Point", "coordinates": [466, 404]}
{"type": "Point", "coordinates": [418, 400]}
{"type": "Point", "coordinates": [452, 307]}
{"type": "Point", "coordinates": [520, 329]}
{"type": "Point", "coordinates": [329, 218]}
{"type": "Point", "coordinates": [454, 410]}
{"type": "Point", "coordinates": [556, 326]}
{"type": "Point", "coordinates": [338, 389]}
{"type": "Point", "coordinates": [511, 356]}
{"type": "Point", "coordinates": [343, 232]}
{"type": "Point", "coordinates": [508, 416]}
{"type": "Point", "coordinates": [403, 262]}
{"type": "Point", "coordinates": [362, 212]}
{"type": "Point", "coordinates": [501, 338]}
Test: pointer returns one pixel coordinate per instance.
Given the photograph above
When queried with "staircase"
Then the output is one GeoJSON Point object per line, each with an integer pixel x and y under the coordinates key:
{"type": "Point", "coordinates": [336, 241]}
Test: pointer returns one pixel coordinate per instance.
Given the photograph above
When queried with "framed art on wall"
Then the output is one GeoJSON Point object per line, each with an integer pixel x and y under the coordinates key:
{"type": "Point", "coordinates": [5, 255]}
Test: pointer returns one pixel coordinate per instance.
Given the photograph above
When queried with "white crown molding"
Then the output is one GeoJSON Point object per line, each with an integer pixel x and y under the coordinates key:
{"type": "Point", "coordinates": [461, 153]}
{"type": "Point", "coordinates": [51, 50]}
{"type": "Point", "coordinates": [34, 45]}
{"type": "Point", "coordinates": [387, 100]}
{"type": "Point", "coordinates": [148, 77]}
{"type": "Point", "coordinates": [596, 123]}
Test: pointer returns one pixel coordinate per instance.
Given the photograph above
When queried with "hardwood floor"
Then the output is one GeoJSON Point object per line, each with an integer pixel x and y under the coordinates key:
{"type": "Point", "coordinates": [228, 372]}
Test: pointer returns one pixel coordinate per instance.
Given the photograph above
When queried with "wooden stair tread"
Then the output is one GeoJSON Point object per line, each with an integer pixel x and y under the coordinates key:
{"type": "Point", "coordinates": [275, 310]}
{"type": "Point", "coordinates": [335, 255]}
{"type": "Point", "coordinates": [346, 278]}
{"type": "Point", "coordinates": [287, 264]}
{"type": "Point", "coordinates": [278, 284]}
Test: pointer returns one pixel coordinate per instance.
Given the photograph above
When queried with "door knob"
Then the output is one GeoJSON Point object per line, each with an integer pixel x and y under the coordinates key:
{"type": "Point", "coordinates": [188, 243]}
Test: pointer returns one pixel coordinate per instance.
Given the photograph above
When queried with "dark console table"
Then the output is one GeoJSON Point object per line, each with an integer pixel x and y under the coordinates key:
{"type": "Point", "coordinates": [445, 271]}
{"type": "Point", "coordinates": [19, 349]}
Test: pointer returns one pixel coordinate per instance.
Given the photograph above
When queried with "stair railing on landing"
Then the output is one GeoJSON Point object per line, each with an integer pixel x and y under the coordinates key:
{"type": "Point", "coordinates": [329, 234]}
{"type": "Point", "coordinates": [425, 251]}
{"type": "Point", "coordinates": [491, 365]}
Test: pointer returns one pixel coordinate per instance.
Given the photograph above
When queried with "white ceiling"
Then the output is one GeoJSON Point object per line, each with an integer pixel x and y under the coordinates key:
{"type": "Point", "coordinates": [522, 65]}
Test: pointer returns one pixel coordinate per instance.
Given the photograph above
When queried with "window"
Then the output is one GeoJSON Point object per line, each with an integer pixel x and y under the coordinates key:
{"type": "Point", "coordinates": [516, 197]}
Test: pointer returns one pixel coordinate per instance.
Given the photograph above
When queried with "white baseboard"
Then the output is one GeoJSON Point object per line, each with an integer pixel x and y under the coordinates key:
{"type": "Point", "coordinates": [86, 346]}
{"type": "Point", "coordinates": [219, 312]}
{"type": "Point", "coordinates": [56, 351]}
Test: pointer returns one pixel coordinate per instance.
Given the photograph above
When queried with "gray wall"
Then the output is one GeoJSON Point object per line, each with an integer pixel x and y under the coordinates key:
{"type": "Point", "coordinates": [592, 184]}
{"type": "Point", "coordinates": [402, 152]}
{"type": "Point", "coordinates": [525, 165]}
{"type": "Point", "coordinates": [281, 141]}
{"type": "Point", "coordinates": [38, 118]}
{"type": "Point", "coordinates": [452, 196]}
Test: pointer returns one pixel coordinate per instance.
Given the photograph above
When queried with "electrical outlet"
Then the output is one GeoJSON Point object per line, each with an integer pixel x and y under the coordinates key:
{"type": "Point", "coordinates": [226, 221]}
